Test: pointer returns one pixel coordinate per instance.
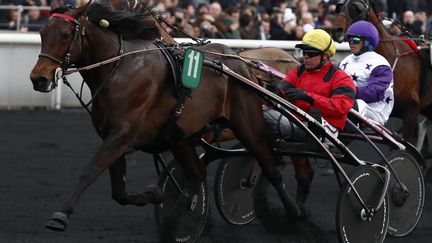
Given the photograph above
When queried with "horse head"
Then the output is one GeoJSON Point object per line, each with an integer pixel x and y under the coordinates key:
{"type": "Point", "coordinates": [88, 34]}
{"type": "Point", "coordinates": [60, 46]}
{"type": "Point", "coordinates": [348, 12]}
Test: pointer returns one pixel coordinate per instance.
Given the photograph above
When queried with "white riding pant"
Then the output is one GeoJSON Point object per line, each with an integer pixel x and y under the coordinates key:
{"type": "Point", "coordinates": [366, 111]}
{"type": "Point", "coordinates": [279, 127]}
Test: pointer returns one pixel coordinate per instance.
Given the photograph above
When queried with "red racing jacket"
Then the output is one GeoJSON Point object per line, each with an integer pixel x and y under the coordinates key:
{"type": "Point", "coordinates": [331, 88]}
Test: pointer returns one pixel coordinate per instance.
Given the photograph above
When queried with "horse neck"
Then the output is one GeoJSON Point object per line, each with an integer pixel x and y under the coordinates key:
{"type": "Point", "coordinates": [98, 45]}
{"type": "Point", "coordinates": [386, 47]}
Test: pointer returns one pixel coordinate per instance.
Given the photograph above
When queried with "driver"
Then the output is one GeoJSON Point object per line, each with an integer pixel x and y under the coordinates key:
{"type": "Point", "coordinates": [370, 71]}
{"type": "Point", "coordinates": [317, 86]}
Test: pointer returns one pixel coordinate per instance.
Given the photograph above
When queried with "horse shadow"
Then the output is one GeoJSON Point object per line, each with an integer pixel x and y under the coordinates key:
{"type": "Point", "coordinates": [274, 219]}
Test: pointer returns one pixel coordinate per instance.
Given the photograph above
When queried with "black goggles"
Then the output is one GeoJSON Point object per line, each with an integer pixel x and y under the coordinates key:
{"type": "Point", "coordinates": [311, 53]}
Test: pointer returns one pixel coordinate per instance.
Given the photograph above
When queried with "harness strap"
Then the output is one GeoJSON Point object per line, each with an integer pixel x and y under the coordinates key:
{"type": "Point", "coordinates": [181, 92]}
{"type": "Point", "coordinates": [300, 70]}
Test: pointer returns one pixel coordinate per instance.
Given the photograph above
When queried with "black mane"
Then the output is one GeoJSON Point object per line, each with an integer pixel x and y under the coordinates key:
{"type": "Point", "coordinates": [129, 25]}
{"type": "Point", "coordinates": [61, 10]}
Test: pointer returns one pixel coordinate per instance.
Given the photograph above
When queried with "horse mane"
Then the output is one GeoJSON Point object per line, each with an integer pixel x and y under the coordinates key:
{"type": "Point", "coordinates": [130, 25]}
{"type": "Point", "coordinates": [138, 6]}
{"type": "Point", "coordinates": [61, 10]}
{"type": "Point", "coordinates": [373, 7]}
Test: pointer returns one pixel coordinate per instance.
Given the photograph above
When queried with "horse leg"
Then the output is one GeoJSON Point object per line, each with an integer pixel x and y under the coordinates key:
{"type": "Point", "coordinates": [304, 174]}
{"type": "Point", "coordinates": [410, 125]}
{"type": "Point", "coordinates": [253, 137]}
{"type": "Point", "coordinates": [112, 148]}
{"type": "Point", "coordinates": [152, 194]}
{"type": "Point", "coordinates": [194, 171]}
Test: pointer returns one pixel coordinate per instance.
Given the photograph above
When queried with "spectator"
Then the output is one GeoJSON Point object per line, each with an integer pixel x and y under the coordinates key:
{"type": "Point", "coordinates": [313, 3]}
{"type": "Point", "coordinates": [206, 27]}
{"type": "Point", "coordinates": [259, 8]}
{"type": "Point", "coordinates": [12, 20]}
{"type": "Point", "coordinates": [302, 8]}
{"type": "Point", "coordinates": [170, 3]}
{"type": "Point", "coordinates": [215, 10]}
{"type": "Point", "coordinates": [231, 22]}
{"type": "Point", "coordinates": [202, 8]}
{"type": "Point", "coordinates": [278, 29]}
{"type": "Point", "coordinates": [265, 30]}
{"type": "Point", "coordinates": [228, 3]}
{"type": "Point", "coordinates": [248, 28]}
{"type": "Point", "coordinates": [218, 16]}
{"type": "Point", "coordinates": [307, 18]}
{"type": "Point", "coordinates": [189, 11]}
{"type": "Point", "coordinates": [422, 18]}
{"type": "Point", "coordinates": [322, 11]}
{"type": "Point", "coordinates": [268, 5]}
{"type": "Point", "coordinates": [181, 21]}
{"type": "Point", "coordinates": [299, 32]}
{"type": "Point", "coordinates": [396, 8]}
{"type": "Point", "coordinates": [208, 30]}
{"type": "Point", "coordinates": [34, 21]}
{"type": "Point", "coordinates": [410, 23]}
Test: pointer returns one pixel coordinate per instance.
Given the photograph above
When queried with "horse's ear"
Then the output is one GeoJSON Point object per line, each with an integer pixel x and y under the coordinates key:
{"type": "Point", "coordinates": [81, 10]}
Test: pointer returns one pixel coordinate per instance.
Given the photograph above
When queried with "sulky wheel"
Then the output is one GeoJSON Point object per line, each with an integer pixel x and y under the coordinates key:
{"type": "Point", "coordinates": [234, 184]}
{"type": "Point", "coordinates": [406, 202]}
{"type": "Point", "coordinates": [180, 218]}
{"type": "Point", "coordinates": [352, 224]}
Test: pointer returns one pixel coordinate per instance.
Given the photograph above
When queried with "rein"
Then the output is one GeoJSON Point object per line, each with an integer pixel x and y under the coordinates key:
{"type": "Point", "coordinates": [398, 54]}
{"type": "Point", "coordinates": [110, 60]}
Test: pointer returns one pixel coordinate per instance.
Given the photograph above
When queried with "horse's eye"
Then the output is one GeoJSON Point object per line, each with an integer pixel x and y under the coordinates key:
{"type": "Point", "coordinates": [65, 35]}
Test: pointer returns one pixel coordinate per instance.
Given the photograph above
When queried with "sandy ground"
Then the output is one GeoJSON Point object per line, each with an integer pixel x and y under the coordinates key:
{"type": "Point", "coordinates": [42, 154]}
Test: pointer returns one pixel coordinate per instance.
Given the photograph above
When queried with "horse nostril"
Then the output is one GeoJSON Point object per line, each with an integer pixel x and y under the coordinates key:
{"type": "Point", "coordinates": [38, 81]}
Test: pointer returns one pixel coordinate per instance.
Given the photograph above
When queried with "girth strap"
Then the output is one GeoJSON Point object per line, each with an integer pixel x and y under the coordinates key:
{"type": "Point", "coordinates": [170, 131]}
{"type": "Point", "coordinates": [182, 93]}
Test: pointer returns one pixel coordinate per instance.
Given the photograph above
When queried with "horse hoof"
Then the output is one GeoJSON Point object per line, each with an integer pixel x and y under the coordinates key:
{"type": "Point", "coordinates": [305, 213]}
{"type": "Point", "coordinates": [58, 222]}
{"type": "Point", "coordinates": [156, 192]}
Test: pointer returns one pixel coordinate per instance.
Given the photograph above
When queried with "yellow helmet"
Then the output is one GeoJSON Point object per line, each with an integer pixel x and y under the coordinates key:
{"type": "Point", "coordinates": [318, 39]}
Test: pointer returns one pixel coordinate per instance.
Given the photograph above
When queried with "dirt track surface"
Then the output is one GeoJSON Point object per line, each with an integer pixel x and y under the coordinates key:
{"type": "Point", "coordinates": [42, 154]}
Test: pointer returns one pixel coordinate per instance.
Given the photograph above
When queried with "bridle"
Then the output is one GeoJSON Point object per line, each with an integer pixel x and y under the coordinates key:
{"type": "Point", "coordinates": [65, 64]}
{"type": "Point", "coordinates": [343, 7]}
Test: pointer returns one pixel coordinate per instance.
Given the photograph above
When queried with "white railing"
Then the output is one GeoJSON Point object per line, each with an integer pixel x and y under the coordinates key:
{"type": "Point", "coordinates": [28, 38]}
{"type": "Point", "coordinates": [19, 53]}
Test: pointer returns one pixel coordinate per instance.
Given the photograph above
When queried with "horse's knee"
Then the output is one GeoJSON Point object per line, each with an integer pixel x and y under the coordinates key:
{"type": "Point", "coordinates": [304, 181]}
{"type": "Point", "coordinates": [274, 178]}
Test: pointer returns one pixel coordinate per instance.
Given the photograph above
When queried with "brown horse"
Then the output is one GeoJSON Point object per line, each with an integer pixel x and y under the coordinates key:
{"type": "Point", "coordinates": [413, 95]}
{"type": "Point", "coordinates": [134, 100]}
{"type": "Point", "coordinates": [277, 59]}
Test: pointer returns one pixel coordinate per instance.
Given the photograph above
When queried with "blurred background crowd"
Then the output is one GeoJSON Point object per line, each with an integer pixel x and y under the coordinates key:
{"type": "Point", "coordinates": [236, 19]}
